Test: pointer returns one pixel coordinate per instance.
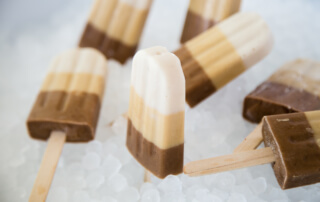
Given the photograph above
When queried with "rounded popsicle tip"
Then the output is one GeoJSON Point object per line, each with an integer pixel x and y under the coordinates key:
{"type": "Point", "coordinates": [157, 71]}
{"type": "Point", "coordinates": [250, 36]}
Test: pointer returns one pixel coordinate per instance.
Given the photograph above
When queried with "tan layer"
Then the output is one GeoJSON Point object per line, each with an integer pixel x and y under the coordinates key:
{"type": "Point", "coordinates": [119, 20]}
{"type": "Point", "coordinates": [215, 10]}
{"type": "Point", "coordinates": [135, 27]}
{"type": "Point", "coordinates": [301, 74]}
{"type": "Point", "coordinates": [68, 82]}
{"type": "Point", "coordinates": [314, 121]}
{"type": "Point", "coordinates": [102, 13]}
{"type": "Point", "coordinates": [217, 56]}
{"type": "Point", "coordinates": [164, 131]}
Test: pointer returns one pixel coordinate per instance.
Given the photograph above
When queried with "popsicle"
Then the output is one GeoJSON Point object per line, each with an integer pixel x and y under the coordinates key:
{"type": "Point", "coordinates": [293, 88]}
{"type": "Point", "coordinates": [66, 109]}
{"type": "Point", "coordinates": [203, 14]}
{"type": "Point", "coordinates": [115, 26]}
{"type": "Point", "coordinates": [155, 133]}
{"type": "Point", "coordinates": [292, 146]}
{"type": "Point", "coordinates": [218, 55]}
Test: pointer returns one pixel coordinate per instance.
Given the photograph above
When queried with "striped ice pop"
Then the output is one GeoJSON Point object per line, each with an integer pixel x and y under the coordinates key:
{"type": "Point", "coordinates": [70, 97]}
{"type": "Point", "coordinates": [203, 14]}
{"type": "Point", "coordinates": [155, 135]}
{"type": "Point", "coordinates": [115, 26]}
{"type": "Point", "coordinates": [215, 57]}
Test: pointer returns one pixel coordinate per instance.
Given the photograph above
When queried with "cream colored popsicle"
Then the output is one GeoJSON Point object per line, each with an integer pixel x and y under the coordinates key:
{"type": "Point", "coordinates": [155, 135]}
{"type": "Point", "coordinates": [66, 109]}
{"type": "Point", "coordinates": [115, 26]}
{"type": "Point", "coordinates": [203, 14]}
{"type": "Point", "coordinates": [223, 52]}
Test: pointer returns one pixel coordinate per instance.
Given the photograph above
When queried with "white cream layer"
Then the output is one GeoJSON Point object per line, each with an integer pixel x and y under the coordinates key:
{"type": "Point", "coordinates": [80, 60]}
{"type": "Point", "coordinates": [250, 36]}
{"type": "Point", "coordinates": [157, 77]}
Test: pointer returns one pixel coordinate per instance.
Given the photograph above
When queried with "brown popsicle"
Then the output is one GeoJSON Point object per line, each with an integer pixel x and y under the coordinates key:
{"type": "Point", "coordinates": [292, 146]}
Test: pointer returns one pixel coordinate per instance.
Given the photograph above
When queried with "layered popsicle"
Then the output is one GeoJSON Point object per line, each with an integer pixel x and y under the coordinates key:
{"type": "Point", "coordinates": [215, 57]}
{"type": "Point", "coordinates": [293, 88]}
{"type": "Point", "coordinates": [155, 133]}
{"type": "Point", "coordinates": [115, 26]}
{"type": "Point", "coordinates": [203, 14]}
{"type": "Point", "coordinates": [70, 97]}
{"type": "Point", "coordinates": [292, 146]}
{"type": "Point", "coordinates": [66, 109]}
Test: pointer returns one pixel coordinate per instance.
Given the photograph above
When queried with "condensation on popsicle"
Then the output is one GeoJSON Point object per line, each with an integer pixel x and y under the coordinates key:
{"type": "Point", "coordinates": [155, 134]}
{"type": "Point", "coordinates": [203, 14]}
{"type": "Point", "coordinates": [115, 26]}
{"type": "Point", "coordinates": [293, 88]}
{"type": "Point", "coordinates": [220, 54]}
{"type": "Point", "coordinates": [70, 97]}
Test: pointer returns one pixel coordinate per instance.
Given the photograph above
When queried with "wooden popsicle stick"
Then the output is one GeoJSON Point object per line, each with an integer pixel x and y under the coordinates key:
{"type": "Point", "coordinates": [147, 176]}
{"type": "Point", "coordinates": [229, 162]}
{"type": "Point", "coordinates": [252, 141]}
{"type": "Point", "coordinates": [48, 166]}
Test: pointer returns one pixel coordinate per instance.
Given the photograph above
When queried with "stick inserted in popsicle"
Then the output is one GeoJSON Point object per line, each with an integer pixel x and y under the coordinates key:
{"type": "Point", "coordinates": [218, 55]}
{"type": "Point", "coordinates": [155, 134]}
{"type": "Point", "coordinates": [66, 109]}
{"type": "Point", "coordinates": [292, 146]}
{"type": "Point", "coordinates": [295, 87]}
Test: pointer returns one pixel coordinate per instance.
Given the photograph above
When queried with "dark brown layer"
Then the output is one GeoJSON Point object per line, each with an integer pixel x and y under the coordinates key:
{"type": "Point", "coordinates": [198, 84]}
{"type": "Point", "coordinates": [111, 48]}
{"type": "Point", "coordinates": [75, 113]}
{"type": "Point", "coordinates": [160, 162]}
{"type": "Point", "coordinates": [194, 25]}
{"type": "Point", "coordinates": [296, 151]}
{"type": "Point", "coordinates": [271, 98]}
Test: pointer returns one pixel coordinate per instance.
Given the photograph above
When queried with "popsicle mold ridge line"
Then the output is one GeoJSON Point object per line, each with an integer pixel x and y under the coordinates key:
{"type": "Point", "coordinates": [70, 97]}
{"type": "Point", "coordinates": [115, 26]}
{"type": "Point", "coordinates": [295, 87]}
{"type": "Point", "coordinates": [218, 55]}
{"type": "Point", "coordinates": [203, 14]}
{"type": "Point", "coordinates": [155, 134]}
{"type": "Point", "coordinates": [295, 141]}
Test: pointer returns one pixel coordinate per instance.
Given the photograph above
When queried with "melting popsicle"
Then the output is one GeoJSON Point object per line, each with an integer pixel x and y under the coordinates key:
{"type": "Point", "coordinates": [155, 134]}
{"type": "Point", "coordinates": [66, 109]}
{"type": "Point", "coordinates": [292, 146]}
{"type": "Point", "coordinates": [115, 26]}
{"type": "Point", "coordinates": [293, 88]}
{"type": "Point", "coordinates": [218, 55]}
{"type": "Point", "coordinates": [203, 14]}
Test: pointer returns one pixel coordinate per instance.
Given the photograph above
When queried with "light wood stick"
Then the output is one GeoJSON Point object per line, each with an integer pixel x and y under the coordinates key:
{"type": "Point", "coordinates": [229, 162]}
{"type": "Point", "coordinates": [48, 166]}
{"type": "Point", "coordinates": [252, 141]}
{"type": "Point", "coordinates": [147, 176]}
